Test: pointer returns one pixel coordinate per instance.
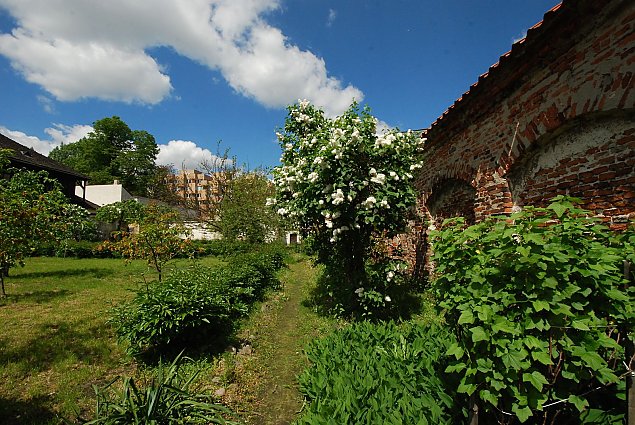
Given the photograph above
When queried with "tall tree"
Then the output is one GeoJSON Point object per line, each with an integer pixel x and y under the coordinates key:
{"type": "Point", "coordinates": [113, 151]}
{"type": "Point", "coordinates": [244, 213]}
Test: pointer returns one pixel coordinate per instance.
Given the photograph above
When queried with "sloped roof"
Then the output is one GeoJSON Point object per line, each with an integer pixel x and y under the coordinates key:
{"type": "Point", "coordinates": [561, 15]}
{"type": "Point", "coordinates": [27, 156]}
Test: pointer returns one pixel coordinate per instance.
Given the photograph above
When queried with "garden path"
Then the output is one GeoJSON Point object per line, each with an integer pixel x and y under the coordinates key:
{"type": "Point", "coordinates": [266, 389]}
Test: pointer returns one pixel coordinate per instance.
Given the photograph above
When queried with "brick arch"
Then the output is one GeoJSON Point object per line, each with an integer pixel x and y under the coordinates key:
{"type": "Point", "coordinates": [451, 197]}
{"type": "Point", "coordinates": [591, 157]}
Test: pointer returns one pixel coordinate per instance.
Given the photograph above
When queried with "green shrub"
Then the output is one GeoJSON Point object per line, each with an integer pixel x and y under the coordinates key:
{"type": "Point", "coordinates": [380, 374]}
{"type": "Point", "coordinates": [540, 307]}
{"type": "Point", "coordinates": [194, 303]}
{"type": "Point", "coordinates": [221, 247]}
{"type": "Point", "coordinates": [169, 398]}
{"type": "Point", "coordinates": [190, 302]}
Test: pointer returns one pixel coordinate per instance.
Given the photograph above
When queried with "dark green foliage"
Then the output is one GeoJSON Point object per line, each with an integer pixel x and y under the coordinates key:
{"type": "Point", "coordinates": [195, 303]}
{"type": "Point", "coordinates": [114, 151]}
{"type": "Point", "coordinates": [81, 249]}
{"type": "Point", "coordinates": [189, 302]}
{"type": "Point", "coordinates": [244, 213]}
{"type": "Point", "coordinates": [380, 374]}
{"type": "Point", "coordinates": [171, 397]}
{"type": "Point", "coordinates": [221, 247]}
{"type": "Point", "coordinates": [540, 308]}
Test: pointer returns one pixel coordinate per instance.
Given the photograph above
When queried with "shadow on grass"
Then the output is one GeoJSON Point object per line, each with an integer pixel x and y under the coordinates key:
{"type": "Point", "coordinates": [34, 411]}
{"type": "Point", "coordinates": [93, 272]}
{"type": "Point", "coordinates": [37, 297]}
{"type": "Point", "coordinates": [198, 343]}
{"type": "Point", "coordinates": [328, 298]}
{"type": "Point", "coordinates": [53, 344]}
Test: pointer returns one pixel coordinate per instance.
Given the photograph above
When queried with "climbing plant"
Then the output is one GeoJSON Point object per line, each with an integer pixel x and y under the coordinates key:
{"type": "Point", "coordinates": [541, 310]}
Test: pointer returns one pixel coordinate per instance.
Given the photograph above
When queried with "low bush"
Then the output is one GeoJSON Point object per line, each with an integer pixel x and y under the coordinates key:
{"type": "Point", "coordinates": [380, 373]}
{"type": "Point", "coordinates": [190, 302]}
{"type": "Point", "coordinates": [541, 311]}
{"type": "Point", "coordinates": [221, 247]}
{"type": "Point", "coordinates": [76, 249]}
{"type": "Point", "coordinates": [194, 303]}
{"type": "Point", "coordinates": [171, 397]}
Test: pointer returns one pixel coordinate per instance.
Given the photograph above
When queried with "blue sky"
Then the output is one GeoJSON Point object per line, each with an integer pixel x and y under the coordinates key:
{"type": "Point", "coordinates": [197, 72]}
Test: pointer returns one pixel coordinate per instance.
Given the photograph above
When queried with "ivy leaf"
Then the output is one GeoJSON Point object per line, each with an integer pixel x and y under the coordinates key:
{"type": "Point", "coordinates": [540, 305]}
{"type": "Point", "coordinates": [467, 317]}
{"type": "Point", "coordinates": [478, 334]}
{"type": "Point", "coordinates": [522, 414]}
{"type": "Point", "coordinates": [579, 324]}
{"type": "Point", "coordinates": [593, 360]}
{"type": "Point", "coordinates": [558, 208]}
{"type": "Point", "coordinates": [617, 295]}
{"type": "Point", "coordinates": [455, 350]}
{"type": "Point", "coordinates": [542, 357]}
{"type": "Point", "coordinates": [512, 359]}
{"type": "Point", "coordinates": [466, 388]}
{"type": "Point", "coordinates": [579, 402]}
{"type": "Point", "coordinates": [487, 396]}
{"type": "Point", "coordinates": [536, 379]}
{"type": "Point", "coordinates": [503, 325]}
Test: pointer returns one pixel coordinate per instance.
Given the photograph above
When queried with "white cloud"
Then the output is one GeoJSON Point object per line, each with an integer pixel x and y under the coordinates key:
{"type": "Point", "coordinates": [331, 17]}
{"type": "Point", "coordinates": [382, 127]}
{"type": "Point", "coordinates": [179, 153]}
{"type": "Point", "coordinates": [77, 48]}
{"type": "Point", "coordinates": [520, 37]}
{"type": "Point", "coordinates": [59, 134]}
{"type": "Point", "coordinates": [47, 104]}
{"type": "Point", "coordinates": [184, 154]}
{"type": "Point", "coordinates": [66, 134]}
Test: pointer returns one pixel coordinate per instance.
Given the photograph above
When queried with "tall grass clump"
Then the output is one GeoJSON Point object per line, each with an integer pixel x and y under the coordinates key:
{"type": "Point", "coordinates": [170, 397]}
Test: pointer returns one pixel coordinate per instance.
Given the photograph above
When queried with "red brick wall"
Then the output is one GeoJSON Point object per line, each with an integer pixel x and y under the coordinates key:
{"type": "Point", "coordinates": [572, 77]}
{"type": "Point", "coordinates": [555, 116]}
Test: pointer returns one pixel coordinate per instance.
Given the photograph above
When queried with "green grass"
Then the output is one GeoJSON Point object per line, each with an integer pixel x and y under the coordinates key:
{"type": "Point", "coordinates": [55, 343]}
{"type": "Point", "coordinates": [54, 340]}
{"type": "Point", "coordinates": [263, 387]}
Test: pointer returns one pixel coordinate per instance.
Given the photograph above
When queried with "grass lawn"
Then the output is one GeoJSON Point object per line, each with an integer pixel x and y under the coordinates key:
{"type": "Point", "coordinates": [55, 343]}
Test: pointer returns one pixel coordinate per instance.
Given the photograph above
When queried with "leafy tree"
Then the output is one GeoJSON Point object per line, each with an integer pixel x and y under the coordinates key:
{"type": "Point", "coordinates": [221, 172]}
{"type": "Point", "coordinates": [113, 151]}
{"type": "Point", "coordinates": [244, 213]}
{"type": "Point", "coordinates": [160, 236]}
{"type": "Point", "coordinates": [121, 213]}
{"type": "Point", "coordinates": [348, 187]}
{"type": "Point", "coordinates": [158, 188]}
{"type": "Point", "coordinates": [33, 210]}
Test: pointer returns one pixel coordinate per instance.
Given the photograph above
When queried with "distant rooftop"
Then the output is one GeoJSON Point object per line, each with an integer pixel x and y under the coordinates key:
{"type": "Point", "coordinates": [27, 156]}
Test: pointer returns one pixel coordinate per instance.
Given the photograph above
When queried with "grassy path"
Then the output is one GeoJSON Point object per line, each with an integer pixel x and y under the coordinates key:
{"type": "Point", "coordinates": [265, 390]}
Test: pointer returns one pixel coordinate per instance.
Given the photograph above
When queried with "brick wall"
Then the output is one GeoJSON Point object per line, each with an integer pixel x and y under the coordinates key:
{"type": "Point", "coordinates": [555, 116]}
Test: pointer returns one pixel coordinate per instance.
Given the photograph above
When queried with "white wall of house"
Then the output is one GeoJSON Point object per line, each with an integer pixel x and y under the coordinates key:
{"type": "Point", "coordinates": [200, 232]}
{"type": "Point", "coordinates": [104, 194]}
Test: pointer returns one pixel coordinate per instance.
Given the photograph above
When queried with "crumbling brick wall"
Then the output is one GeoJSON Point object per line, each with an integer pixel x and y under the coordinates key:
{"type": "Point", "coordinates": [555, 116]}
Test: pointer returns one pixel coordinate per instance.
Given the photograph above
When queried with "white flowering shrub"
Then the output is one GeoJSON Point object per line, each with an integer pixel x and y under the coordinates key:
{"type": "Point", "coordinates": [348, 187]}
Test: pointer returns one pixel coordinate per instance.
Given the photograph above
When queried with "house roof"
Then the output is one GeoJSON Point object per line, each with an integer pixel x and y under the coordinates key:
{"type": "Point", "coordinates": [27, 156]}
{"type": "Point", "coordinates": [557, 17]}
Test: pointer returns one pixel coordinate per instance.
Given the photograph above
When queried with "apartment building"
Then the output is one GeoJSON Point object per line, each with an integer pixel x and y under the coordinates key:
{"type": "Point", "coordinates": [196, 187]}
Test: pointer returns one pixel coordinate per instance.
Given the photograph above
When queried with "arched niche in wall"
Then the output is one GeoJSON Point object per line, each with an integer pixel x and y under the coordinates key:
{"type": "Point", "coordinates": [591, 157]}
{"type": "Point", "coordinates": [452, 198]}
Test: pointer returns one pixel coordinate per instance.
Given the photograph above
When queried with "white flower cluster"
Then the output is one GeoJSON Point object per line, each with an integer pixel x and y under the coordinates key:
{"type": "Point", "coordinates": [337, 197]}
{"type": "Point", "coordinates": [386, 139]}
